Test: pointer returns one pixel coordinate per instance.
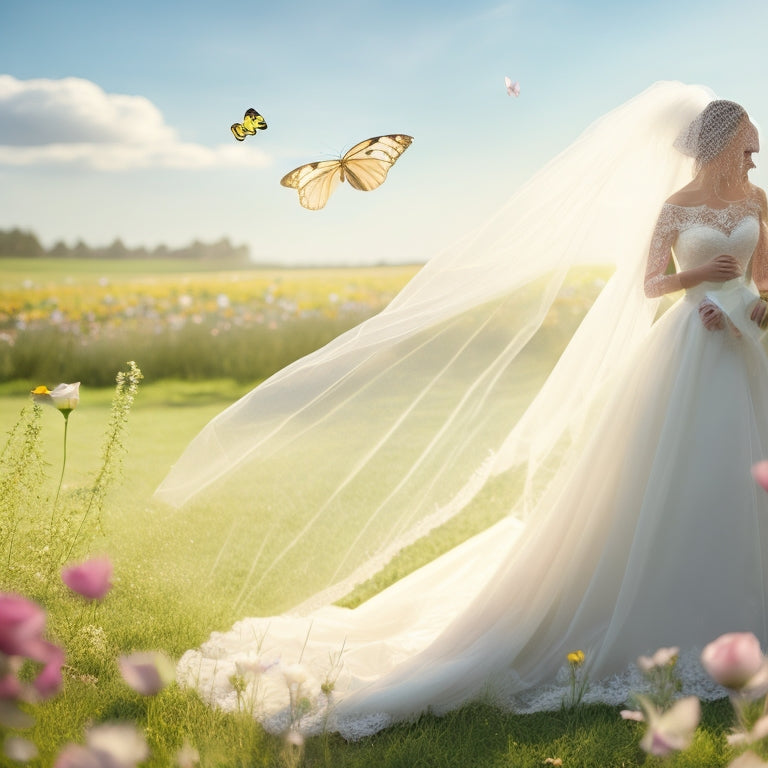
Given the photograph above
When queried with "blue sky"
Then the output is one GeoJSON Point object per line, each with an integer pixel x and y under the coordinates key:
{"type": "Point", "coordinates": [139, 147]}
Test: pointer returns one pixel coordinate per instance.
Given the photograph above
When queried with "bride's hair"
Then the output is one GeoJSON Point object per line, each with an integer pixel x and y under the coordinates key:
{"type": "Point", "coordinates": [711, 131]}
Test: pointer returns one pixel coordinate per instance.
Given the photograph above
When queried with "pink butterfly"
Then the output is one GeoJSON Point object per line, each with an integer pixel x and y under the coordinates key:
{"type": "Point", "coordinates": [513, 89]}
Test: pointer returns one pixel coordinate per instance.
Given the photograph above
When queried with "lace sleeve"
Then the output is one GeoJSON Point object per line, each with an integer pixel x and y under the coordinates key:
{"type": "Point", "coordinates": [657, 283]}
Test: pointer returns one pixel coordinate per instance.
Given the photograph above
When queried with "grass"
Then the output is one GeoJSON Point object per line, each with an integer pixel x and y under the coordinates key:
{"type": "Point", "coordinates": [159, 602]}
{"type": "Point", "coordinates": [156, 603]}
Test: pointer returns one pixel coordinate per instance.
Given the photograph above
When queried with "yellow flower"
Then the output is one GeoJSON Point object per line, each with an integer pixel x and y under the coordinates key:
{"type": "Point", "coordinates": [576, 658]}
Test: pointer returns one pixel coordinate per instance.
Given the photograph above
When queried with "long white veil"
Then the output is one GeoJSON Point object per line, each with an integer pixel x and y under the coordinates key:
{"type": "Point", "coordinates": [311, 482]}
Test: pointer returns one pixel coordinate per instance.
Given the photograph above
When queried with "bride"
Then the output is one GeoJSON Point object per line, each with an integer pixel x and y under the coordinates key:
{"type": "Point", "coordinates": [622, 512]}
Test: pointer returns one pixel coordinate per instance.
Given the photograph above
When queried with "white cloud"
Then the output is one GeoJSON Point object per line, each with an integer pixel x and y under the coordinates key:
{"type": "Point", "coordinates": [74, 122]}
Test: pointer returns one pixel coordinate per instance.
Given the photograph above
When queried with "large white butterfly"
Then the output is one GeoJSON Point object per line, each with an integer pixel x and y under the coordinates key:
{"type": "Point", "coordinates": [513, 89]}
{"type": "Point", "coordinates": [364, 166]}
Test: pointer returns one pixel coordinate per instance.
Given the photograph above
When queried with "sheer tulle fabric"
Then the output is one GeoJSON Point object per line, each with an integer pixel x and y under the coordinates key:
{"type": "Point", "coordinates": [639, 525]}
{"type": "Point", "coordinates": [652, 534]}
{"type": "Point", "coordinates": [322, 473]}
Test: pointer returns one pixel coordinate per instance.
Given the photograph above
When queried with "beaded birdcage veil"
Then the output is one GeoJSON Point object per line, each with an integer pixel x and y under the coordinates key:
{"type": "Point", "coordinates": [710, 133]}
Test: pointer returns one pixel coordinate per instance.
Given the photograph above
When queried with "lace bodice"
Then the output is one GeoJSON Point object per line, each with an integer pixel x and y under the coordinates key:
{"type": "Point", "coordinates": [696, 235]}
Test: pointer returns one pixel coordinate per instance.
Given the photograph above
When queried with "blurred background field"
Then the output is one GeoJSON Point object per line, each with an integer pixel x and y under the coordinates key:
{"type": "Point", "coordinates": [202, 339]}
{"type": "Point", "coordinates": [80, 320]}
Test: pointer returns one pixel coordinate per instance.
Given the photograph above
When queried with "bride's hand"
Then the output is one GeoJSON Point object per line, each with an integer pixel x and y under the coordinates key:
{"type": "Point", "coordinates": [760, 313]}
{"type": "Point", "coordinates": [711, 316]}
{"type": "Point", "coordinates": [720, 269]}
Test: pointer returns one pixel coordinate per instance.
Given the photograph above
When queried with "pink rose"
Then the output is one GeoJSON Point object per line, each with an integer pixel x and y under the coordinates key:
{"type": "Point", "coordinates": [734, 659]}
{"type": "Point", "coordinates": [89, 579]}
{"type": "Point", "coordinates": [21, 624]}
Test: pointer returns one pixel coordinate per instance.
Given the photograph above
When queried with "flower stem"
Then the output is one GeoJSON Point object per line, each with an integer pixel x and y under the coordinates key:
{"type": "Point", "coordinates": [63, 466]}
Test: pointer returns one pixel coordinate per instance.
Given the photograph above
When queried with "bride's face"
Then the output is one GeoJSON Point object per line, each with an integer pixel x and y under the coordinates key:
{"type": "Point", "coordinates": [751, 145]}
{"type": "Point", "coordinates": [742, 146]}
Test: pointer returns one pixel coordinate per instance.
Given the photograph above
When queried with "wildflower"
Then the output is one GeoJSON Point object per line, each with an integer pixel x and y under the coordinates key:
{"type": "Point", "coordinates": [253, 666]}
{"type": "Point", "coordinates": [49, 681]}
{"type": "Point", "coordinates": [187, 756]}
{"type": "Point", "coordinates": [632, 714]}
{"type": "Point", "coordinates": [579, 681]}
{"type": "Point", "coordinates": [90, 578]}
{"type": "Point", "coordinates": [295, 675]}
{"type": "Point", "coordinates": [671, 730]}
{"type": "Point", "coordinates": [111, 745]}
{"type": "Point", "coordinates": [760, 473]}
{"type": "Point", "coordinates": [21, 624]}
{"type": "Point", "coordinates": [19, 750]}
{"type": "Point", "coordinates": [556, 761]}
{"type": "Point", "coordinates": [734, 660]}
{"type": "Point", "coordinates": [661, 658]}
{"type": "Point", "coordinates": [64, 397]}
{"type": "Point", "coordinates": [146, 672]}
{"type": "Point", "coordinates": [759, 731]}
{"type": "Point", "coordinates": [10, 685]}
{"type": "Point", "coordinates": [294, 738]}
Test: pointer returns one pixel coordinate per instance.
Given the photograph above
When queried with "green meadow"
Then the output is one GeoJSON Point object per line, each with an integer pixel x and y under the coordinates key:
{"type": "Point", "coordinates": [159, 600]}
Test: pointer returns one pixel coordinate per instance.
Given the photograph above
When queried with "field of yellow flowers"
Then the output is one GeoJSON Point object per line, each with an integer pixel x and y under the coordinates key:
{"type": "Point", "coordinates": [83, 319]}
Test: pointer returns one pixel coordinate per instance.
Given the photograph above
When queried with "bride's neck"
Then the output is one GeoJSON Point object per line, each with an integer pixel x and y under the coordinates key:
{"type": "Point", "coordinates": [723, 187]}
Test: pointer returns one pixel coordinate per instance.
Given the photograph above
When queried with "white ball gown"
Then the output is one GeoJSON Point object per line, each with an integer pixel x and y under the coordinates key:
{"type": "Point", "coordinates": [646, 531]}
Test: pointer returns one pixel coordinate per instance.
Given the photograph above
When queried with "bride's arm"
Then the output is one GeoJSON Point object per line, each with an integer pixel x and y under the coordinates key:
{"type": "Point", "coordinates": [759, 263]}
{"type": "Point", "coordinates": [657, 282]}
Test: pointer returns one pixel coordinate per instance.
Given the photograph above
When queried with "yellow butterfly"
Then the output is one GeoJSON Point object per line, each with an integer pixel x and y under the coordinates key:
{"type": "Point", "coordinates": [252, 122]}
{"type": "Point", "coordinates": [365, 167]}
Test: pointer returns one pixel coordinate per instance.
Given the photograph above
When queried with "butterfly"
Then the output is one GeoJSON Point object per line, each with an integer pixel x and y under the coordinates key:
{"type": "Point", "coordinates": [364, 166]}
{"type": "Point", "coordinates": [513, 89]}
{"type": "Point", "coordinates": [252, 122]}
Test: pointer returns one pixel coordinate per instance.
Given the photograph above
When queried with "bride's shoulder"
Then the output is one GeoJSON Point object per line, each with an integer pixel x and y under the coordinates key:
{"type": "Point", "coordinates": [757, 195]}
{"type": "Point", "coordinates": [687, 197]}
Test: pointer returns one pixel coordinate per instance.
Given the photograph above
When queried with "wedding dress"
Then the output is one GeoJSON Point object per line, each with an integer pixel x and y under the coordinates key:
{"type": "Point", "coordinates": [645, 528]}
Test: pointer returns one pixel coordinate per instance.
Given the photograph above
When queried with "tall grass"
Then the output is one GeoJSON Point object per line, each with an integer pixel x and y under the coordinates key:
{"type": "Point", "coordinates": [243, 325]}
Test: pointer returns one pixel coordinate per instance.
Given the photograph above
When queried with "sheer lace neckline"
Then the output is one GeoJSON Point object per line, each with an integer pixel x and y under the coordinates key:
{"type": "Point", "coordinates": [708, 207]}
{"type": "Point", "coordinates": [681, 217]}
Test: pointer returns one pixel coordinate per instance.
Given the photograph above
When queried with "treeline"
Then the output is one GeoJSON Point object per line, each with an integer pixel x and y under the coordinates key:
{"type": "Point", "coordinates": [18, 244]}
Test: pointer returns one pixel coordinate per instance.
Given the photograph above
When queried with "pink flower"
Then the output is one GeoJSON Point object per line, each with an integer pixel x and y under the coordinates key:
{"type": "Point", "coordinates": [632, 714]}
{"type": "Point", "coordinates": [21, 624]}
{"type": "Point", "coordinates": [110, 745]}
{"type": "Point", "coordinates": [75, 756]}
{"type": "Point", "coordinates": [146, 673]}
{"type": "Point", "coordinates": [89, 579]}
{"type": "Point", "coordinates": [760, 473]}
{"type": "Point", "coordinates": [734, 659]}
{"type": "Point", "coordinates": [48, 682]}
{"type": "Point", "coordinates": [671, 730]}
{"type": "Point", "coordinates": [758, 733]}
{"type": "Point", "coordinates": [10, 687]}
{"type": "Point", "coordinates": [661, 658]}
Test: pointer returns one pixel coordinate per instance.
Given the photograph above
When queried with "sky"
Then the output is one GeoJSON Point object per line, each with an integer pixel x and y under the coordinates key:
{"type": "Point", "coordinates": [115, 116]}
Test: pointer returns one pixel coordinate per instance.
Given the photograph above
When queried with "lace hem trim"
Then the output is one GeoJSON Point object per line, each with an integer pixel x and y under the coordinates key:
{"type": "Point", "coordinates": [313, 711]}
